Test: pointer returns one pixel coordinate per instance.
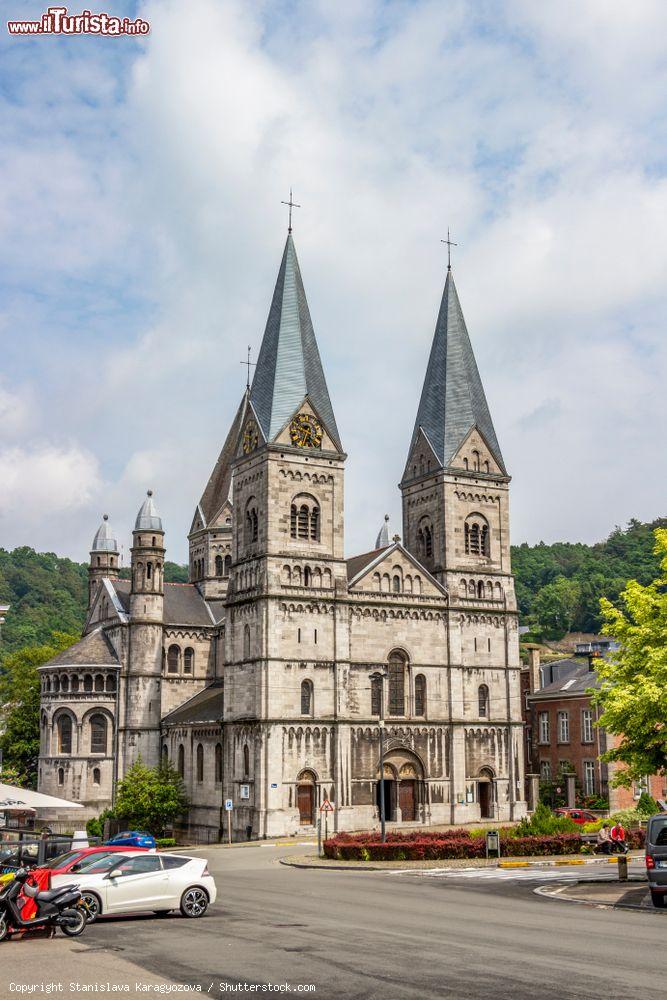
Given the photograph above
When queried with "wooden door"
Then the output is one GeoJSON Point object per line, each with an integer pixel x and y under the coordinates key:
{"type": "Point", "coordinates": [305, 802]}
{"type": "Point", "coordinates": [406, 801]}
{"type": "Point", "coordinates": [485, 799]}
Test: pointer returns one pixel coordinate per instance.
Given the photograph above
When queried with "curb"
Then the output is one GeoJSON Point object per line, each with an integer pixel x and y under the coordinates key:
{"type": "Point", "coordinates": [555, 892]}
{"type": "Point", "coordinates": [563, 862]}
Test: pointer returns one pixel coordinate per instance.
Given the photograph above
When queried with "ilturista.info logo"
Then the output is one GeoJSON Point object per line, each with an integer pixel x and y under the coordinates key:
{"type": "Point", "coordinates": [57, 21]}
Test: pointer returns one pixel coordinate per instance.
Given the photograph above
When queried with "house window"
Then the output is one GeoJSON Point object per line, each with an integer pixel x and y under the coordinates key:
{"type": "Point", "coordinates": [420, 695]}
{"type": "Point", "coordinates": [65, 734]}
{"type": "Point", "coordinates": [98, 734]}
{"type": "Point", "coordinates": [306, 698]}
{"type": "Point", "coordinates": [544, 727]}
{"type": "Point", "coordinates": [563, 727]}
{"type": "Point", "coordinates": [589, 777]}
{"type": "Point", "coordinates": [483, 701]}
{"type": "Point", "coordinates": [218, 763]}
{"type": "Point", "coordinates": [200, 763]}
{"type": "Point", "coordinates": [173, 658]}
{"type": "Point", "coordinates": [545, 770]}
{"type": "Point", "coordinates": [189, 661]}
{"type": "Point", "coordinates": [587, 726]}
{"type": "Point", "coordinates": [376, 696]}
{"type": "Point", "coordinates": [396, 676]}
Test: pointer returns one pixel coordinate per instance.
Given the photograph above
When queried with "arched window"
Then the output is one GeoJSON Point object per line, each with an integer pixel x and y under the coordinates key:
{"type": "Point", "coordinates": [307, 576]}
{"type": "Point", "coordinates": [251, 521]}
{"type": "Point", "coordinates": [396, 680]}
{"type": "Point", "coordinates": [286, 575]}
{"type": "Point", "coordinates": [98, 734]}
{"type": "Point", "coordinates": [88, 682]}
{"type": "Point", "coordinates": [165, 755]}
{"type": "Point", "coordinates": [246, 760]}
{"type": "Point", "coordinates": [65, 734]}
{"type": "Point", "coordinates": [486, 467]}
{"type": "Point", "coordinates": [463, 589]}
{"type": "Point", "coordinates": [483, 700]}
{"type": "Point", "coordinates": [149, 570]}
{"type": "Point", "coordinates": [417, 585]}
{"type": "Point", "coordinates": [425, 539]}
{"type": "Point", "coordinates": [200, 763]}
{"type": "Point", "coordinates": [218, 565]}
{"type": "Point", "coordinates": [64, 683]}
{"type": "Point", "coordinates": [99, 682]}
{"type": "Point", "coordinates": [189, 660]}
{"type": "Point", "coordinates": [376, 696]}
{"type": "Point", "coordinates": [181, 760]}
{"type": "Point", "coordinates": [246, 642]}
{"type": "Point", "coordinates": [228, 565]}
{"type": "Point", "coordinates": [315, 524]}
{"type": "Point", "coordinates": [305, 518]}
{"type": "Point", "coordinates": [465, 464]}
{"type": "Point", "coordinates": [97, 776]}
{"type": "Point", "coordinates": [61, 775]}
{"type": "Point", "coordinates": [420, 695]}
{"type": "Point", "coordinates": [306, 698]}
{"type": "Point", "coordinates": [385, 583]}
{"type": "Point", "coordinates": [317, 577]}
{"type": "Point", "coordinates": [396, 584]}
{"type": "Point", "coordinates": [173, 659]}
{"type": "Point", "coordinates": [480, 589]}
{"type": "Point", "coordinates": [475, 461]}
{"type": "Point", "coordinates": [218, 763]}
{"type": "Point", "coordinates": [56, 685]}
{"type": "Point", "coordinates": [75, 684]}
{"type": "Point", "coordinates": [476, 534]}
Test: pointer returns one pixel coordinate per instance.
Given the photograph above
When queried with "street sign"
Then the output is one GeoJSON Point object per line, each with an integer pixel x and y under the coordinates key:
{"type": "Point", "coordinates": [326, 807]}
{"type": "Point", "coordinates": [229, 805]}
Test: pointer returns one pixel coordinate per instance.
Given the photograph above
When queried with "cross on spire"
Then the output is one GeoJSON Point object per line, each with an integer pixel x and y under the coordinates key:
{"type": "Point", "coordinates": [450, 244]}
{"type": "Point", "coordinates": [292, 204]}
{"type": "Point", "coordinates": [249, 364]}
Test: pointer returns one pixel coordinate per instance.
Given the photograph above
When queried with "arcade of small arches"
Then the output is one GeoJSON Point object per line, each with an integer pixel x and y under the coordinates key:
{"type": "Point", "coordinates": [201, 761]}
{"type": "Point", "coordinates": [476, 535]}
{"type": "Point", "coordinates": [77, 683]}
{"type": "Point", "coordinates": [147, 576]}
{"type": "Point", "coordinates": [305, 517]}
{"type": "Point", "coordinates": [475, 463]}
{"type": "Point", "coordinates": [482, 589]}
{"type": "Point", "coordinates": [306, 576]}
{"type": "Point", "coordinates": [397, 582]}
{"type": "Point", "coordinates": [222, 567]}
{"type": "Point", "coordinates": [247, 578]}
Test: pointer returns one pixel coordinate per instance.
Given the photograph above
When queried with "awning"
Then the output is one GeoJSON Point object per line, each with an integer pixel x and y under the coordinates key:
{"type": "Point", "coordinates": [17, 797]}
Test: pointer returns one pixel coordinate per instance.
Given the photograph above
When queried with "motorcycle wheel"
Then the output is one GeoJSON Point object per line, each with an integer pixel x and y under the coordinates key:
{"type": "Point", "coordinates": [75, 922]}
{"type": "Point", "coordinates": [4, 927]}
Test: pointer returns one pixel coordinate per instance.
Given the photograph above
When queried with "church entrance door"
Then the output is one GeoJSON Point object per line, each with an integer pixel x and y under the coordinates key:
{"type": "Point", "coordinates": [485, 793]}
{"type": "Point", "coordinates": [306, 803]}
{"type": "Point", "coordinates": [406, 801]}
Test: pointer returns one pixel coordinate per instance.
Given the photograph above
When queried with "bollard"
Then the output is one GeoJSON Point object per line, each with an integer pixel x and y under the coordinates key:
{"type": "Point", "coordinates": [623, 869]}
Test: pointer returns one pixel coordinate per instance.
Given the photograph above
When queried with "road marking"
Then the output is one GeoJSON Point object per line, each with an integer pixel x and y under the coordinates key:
{"type": "Point", "coordinates": [498, 874]}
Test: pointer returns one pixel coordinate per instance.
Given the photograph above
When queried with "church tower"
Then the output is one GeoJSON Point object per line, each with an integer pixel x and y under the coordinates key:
{"type": "Point", "coordinates": [103, 558]}
{"type": "Point", "coordinates": [139, 704]}
{"type": "Point", "coordinates": [455, 485]}
{"type": "Point", "coordinates": [287, 555]}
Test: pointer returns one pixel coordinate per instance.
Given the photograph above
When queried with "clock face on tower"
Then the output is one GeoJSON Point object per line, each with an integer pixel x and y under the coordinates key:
{"type": "Point", "coordinates": [250, 437]}
{"type": "Point", "coordinates": [305, 431]}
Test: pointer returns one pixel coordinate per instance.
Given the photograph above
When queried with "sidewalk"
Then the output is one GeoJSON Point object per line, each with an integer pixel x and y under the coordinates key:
{"type": "Point", "coordinates": [630, 895]}
{"type": "Point", "coordinates": [312, 861]}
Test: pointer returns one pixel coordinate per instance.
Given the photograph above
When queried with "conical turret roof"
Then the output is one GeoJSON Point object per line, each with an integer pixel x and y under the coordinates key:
{"type": "Point", "coordinates": [104, 540]}
{"type": "Point", "coordinates": [148, 518]}
{"type": "Point", "coordinates": [382, 539]}
{"type": "Point", "coordinates": [289, 366]}
{"type": "Point", "coordinates": [453, 399]}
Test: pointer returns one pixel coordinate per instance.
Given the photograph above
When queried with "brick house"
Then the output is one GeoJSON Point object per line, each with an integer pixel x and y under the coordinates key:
{"type": "Point", "coordinates": [561, 732]}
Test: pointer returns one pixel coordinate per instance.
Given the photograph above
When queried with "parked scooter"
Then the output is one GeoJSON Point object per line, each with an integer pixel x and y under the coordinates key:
{"type": "Point", "coordinates": [55, 907]}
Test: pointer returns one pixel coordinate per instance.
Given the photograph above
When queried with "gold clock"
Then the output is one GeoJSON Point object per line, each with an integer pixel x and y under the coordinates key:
{"type": "Point", "coordinates": [305, 431]}
{"type": "Point", "coordinates": [250, 437]}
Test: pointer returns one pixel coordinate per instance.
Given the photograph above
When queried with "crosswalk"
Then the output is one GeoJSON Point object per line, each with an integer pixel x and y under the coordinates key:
{"type": "Point", "coordinates": [504, 874]}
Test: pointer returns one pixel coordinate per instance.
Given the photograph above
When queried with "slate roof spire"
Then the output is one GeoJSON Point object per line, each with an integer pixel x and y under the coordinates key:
{"type": "Point", "coordinates": [219, 487]}
{"type": "Point", "coordinates": [289, 366]}
{"type": "Point", "coordinates": [453, 400]}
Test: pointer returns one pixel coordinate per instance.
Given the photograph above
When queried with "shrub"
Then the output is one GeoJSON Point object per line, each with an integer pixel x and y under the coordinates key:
{"type": "Point", "coordinates": [543, 821]}
{"type": "Point", "coordinates": [438, 845]}
{"type": "Point", "coordinates": [647, 806]}
{"type": "Point", "coordinates": [95, 827]}
{"type": "Point", "coordinates": [163, 842]}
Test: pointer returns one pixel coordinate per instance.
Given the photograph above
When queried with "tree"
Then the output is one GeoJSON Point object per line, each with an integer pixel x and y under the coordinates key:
{"type": "Point", "coordinates": [19, 701]}
{"type": "Point", "coordinates": [556, 605]}
{"type": "Point", "coordinates": [633, 691]}
{"type": "Point", "coordinates": [150, 798]}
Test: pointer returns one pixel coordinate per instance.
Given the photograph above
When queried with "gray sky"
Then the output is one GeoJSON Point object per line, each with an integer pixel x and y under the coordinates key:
{"type": "Point", "coordinates": [142, 233]}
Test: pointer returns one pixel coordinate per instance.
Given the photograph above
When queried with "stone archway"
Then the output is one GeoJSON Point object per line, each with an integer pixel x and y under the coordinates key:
{"type": "Point", "coordinates": [486, 793]}
{"type": "Point", "coordinates": [305, 798]}
{"type": "Point", "coordinates": [403, 786]}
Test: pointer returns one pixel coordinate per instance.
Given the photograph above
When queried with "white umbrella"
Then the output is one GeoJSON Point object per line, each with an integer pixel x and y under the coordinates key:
{"type": "Point", "coordinates": [17, 797]}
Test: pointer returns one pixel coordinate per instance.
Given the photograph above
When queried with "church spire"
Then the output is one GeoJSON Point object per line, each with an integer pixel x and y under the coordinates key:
{"type": "Point", "coordinates": [453, 400]}
{"type": "Point", "coordinates": [289, 366]}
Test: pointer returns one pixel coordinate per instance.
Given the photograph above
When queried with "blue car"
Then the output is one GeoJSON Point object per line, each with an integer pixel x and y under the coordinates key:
{"type": "Point", "coordinates": [132, 838]}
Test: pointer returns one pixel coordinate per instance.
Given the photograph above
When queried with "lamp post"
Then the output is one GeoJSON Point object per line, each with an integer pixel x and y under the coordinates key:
{"type": "Point", "coordinates": [380, 677]}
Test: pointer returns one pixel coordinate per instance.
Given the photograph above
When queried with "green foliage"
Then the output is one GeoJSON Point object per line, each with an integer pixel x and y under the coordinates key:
{"type": "Point", "coordinates": [556, 605]}
{"type": "Point", "coordinates": [633, 692]}
{"type": "Point", "coordinates": [628, 817]}
{"type": "Point", "coordinates": [150, 798]}
{"type": "Point", "coordinates": [647, 806]}
{"type": "Point", "coordinates": [95, 827]}
{"type": "Point", "coordinates": [544, 823]}
{"type": "Point", "coordinates": [163, 842]}
{"type": "Point", "coordinates": [19, 706]}
{"type": "Point", "coordinates": [599, 570]}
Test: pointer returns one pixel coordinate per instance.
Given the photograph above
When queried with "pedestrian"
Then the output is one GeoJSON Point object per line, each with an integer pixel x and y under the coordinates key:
{"type": "Point", "coordinates": [603, 841]}
{"type": "Point", "coordinates": [618, 838]}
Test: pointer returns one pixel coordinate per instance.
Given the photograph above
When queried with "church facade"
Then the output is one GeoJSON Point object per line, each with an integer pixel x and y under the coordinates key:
{"type": "Point", "coordinates": [283, 672]}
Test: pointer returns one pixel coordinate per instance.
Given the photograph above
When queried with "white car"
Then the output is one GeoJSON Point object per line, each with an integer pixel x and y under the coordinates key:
{"type": "Point", "coordinates": [134, 883]}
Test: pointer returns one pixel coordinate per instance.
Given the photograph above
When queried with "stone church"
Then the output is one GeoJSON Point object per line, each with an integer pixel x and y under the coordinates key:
{"type": "Point", "coordinates": [272, 677]}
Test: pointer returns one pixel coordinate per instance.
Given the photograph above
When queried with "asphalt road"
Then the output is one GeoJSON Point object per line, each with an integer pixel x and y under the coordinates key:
{"type": "Point", "coordinates": [377, 936]}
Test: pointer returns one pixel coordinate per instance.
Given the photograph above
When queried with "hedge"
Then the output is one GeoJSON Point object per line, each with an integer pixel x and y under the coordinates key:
{"type": "Point", "coordinates": [433, 846]}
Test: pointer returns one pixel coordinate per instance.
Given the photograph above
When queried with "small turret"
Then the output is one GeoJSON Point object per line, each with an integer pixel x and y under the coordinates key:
{"type": "Point", "coordinates": [103, 557]}
{"type": "Point", "coordinates": [147, 593]}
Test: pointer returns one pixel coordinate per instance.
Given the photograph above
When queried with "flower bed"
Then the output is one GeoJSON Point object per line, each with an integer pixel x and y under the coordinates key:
{"type": "Point", "coordinates": [437, 845]}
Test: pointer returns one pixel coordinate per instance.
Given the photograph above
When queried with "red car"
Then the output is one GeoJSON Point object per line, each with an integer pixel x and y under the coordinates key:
{"type": "Point", "coordinates": [78, 859]}
{"type": "Point", "coordinates": [580, 816]}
